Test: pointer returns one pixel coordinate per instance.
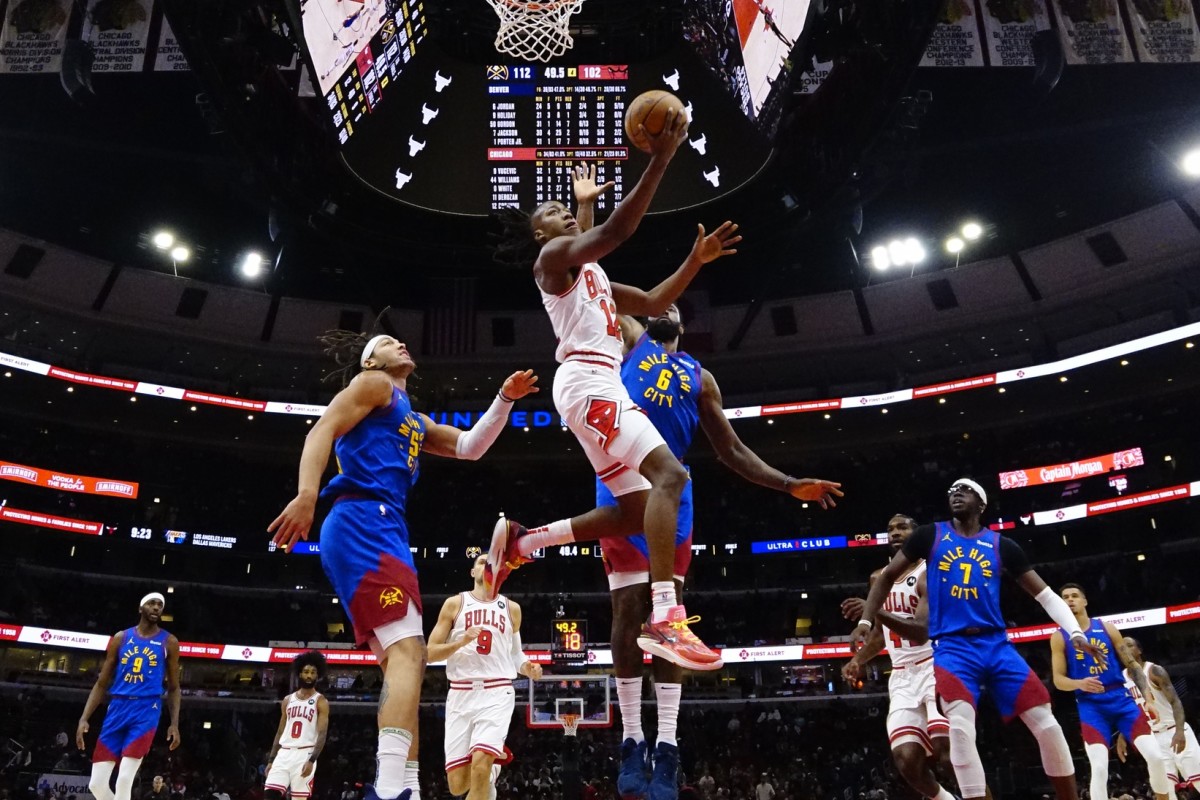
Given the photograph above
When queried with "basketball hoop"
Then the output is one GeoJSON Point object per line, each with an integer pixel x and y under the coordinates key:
{"type": "Point", "coordinates": [570, 723]}
{"type": "Point", "coordinates": [534, 31]}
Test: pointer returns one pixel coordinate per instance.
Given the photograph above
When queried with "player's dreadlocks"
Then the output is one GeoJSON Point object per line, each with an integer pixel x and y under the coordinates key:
{"type": "Point", "coordinates": [346, 348]}
{"type": "Point", "coordinates": [515, 247]}
{"type": "Point", "coordinates": [310, 658]}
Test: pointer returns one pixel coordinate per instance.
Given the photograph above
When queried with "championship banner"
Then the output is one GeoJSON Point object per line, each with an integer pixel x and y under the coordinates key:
{"type": "Point", "coordinates": [168, 56]}
{"type": "Point", "coordinates": [1009, 26]}
{"type": "Point", "coordinates": [119, 31]}
{"type": "Point", "coordinates": [955, 40]}
{"type": "Point", "coordinates": [1092, 32]}
{"type": "Point", "coordinates": [1098, 465]}
{"type": "Point", "coordinates": [32, 36]}
{"type": "Point", "coordinates": [1164, 30]}
{"type": "Point", "coordinates": [811, 79]}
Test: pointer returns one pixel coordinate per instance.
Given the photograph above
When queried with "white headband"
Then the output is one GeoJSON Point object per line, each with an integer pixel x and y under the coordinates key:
{"type": "Point", "coordinates": [975, 487]}
{"type": "Point", "coordinates": [370, 348]}
{"type": "Point", "coordinates": [152, 596]}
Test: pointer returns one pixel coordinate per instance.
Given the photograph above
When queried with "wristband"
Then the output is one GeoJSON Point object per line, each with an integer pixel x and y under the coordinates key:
{"type": "Point", "coordinates": [505, 397]}
{"type": "Point", "coordinates": [869, 623]}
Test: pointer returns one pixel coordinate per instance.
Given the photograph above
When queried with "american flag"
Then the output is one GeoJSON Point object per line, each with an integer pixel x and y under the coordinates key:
{"type": "Point", "coordinates": [450, 317]}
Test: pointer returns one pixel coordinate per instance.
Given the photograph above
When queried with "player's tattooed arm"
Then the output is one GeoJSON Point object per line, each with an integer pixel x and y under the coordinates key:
{"type": "Point", "coordinates": [278, 733]}
{"type": "Point", "coordinates": [1123, 652]}
{"type": "Point", "coordinates": [1161, 682]}
{"type": "Point", "coordinates": [99, 689]}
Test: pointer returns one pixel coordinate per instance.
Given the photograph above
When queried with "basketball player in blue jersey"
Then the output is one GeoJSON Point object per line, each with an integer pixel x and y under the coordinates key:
{"type": "Point", "coordinates": [378, 439]}
{"type": "Point", "coordinates": [971, 648]}
{"type": "Point", "coordinates": [137, 662]}
{"type": "Point", "coordinates": [1105, 707]}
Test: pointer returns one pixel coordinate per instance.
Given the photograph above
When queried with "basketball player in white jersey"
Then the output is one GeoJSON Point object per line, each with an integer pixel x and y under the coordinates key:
{"type": "Point", "coordinates": [480, 641]}
{"type": "Point", "coordinates": [303, 724]}
{"type": "Point", "coordinates": [1167, 721]}
{"type": "Point", "coordinates": [625, 450]}
{"type": "Point", "coordinates": [916, 728]}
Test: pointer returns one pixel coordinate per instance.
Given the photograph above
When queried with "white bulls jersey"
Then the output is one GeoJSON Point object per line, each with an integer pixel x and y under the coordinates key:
{"type": "Point", "coordinates": [902, 601]}
{"type": "Point", "coordinates": [1165, 719]}
{"type": "Point", "coordinates": [491, 654]}
{"type": "Point", "coordinates": [585, 319]}
{"type": "Point", "coordinates": [300, 726]}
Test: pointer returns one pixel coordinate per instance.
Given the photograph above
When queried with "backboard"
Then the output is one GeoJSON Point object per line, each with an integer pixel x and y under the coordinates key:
{"type": "Point", "coordinates": [589, 696]}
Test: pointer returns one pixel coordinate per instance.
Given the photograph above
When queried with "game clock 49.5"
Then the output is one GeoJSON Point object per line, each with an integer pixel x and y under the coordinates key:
{"type": "Point", "coordinates": [568, 641]}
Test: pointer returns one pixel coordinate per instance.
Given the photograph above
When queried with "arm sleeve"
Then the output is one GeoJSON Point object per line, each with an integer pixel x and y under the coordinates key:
{"type": "Point", "coordinates": [474, 443]}
{"type": "Point", "coordinates": [917, 546]}
{"type": "Point", "coordinates": [1015, 562]}
{"type": "Point", "coordinates": [1058, 611]}
{"type": "Point", "coordinates": [518, 651]}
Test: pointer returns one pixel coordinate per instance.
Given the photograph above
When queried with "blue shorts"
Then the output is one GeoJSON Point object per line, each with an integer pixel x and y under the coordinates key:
{"type": "Point", "coordinates": [630, 555]}
{"type": "Point", "coordinates": [364, 551]}
{"type": "Point", "coordinates": [128, 728]}
{"type": "Point", "coordinates": [965, 665]}
{"type": "Point", "coordinates": [1114, 711]}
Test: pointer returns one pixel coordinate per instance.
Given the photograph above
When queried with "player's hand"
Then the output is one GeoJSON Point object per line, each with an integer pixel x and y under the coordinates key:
{"type": "Point", "coordinates": [583, 181]}
{"type": "Point", "coordinates": [859, 637]}
{"type": "Point", "coordinates": [1095, 652]}
{"type": "Point", "coordinates": [173, 737]}
{"type": "Point", "coordinates": [1179, 740]}
{"type": "Point", "coordinates": [712, 246]}
{"type": "Point", "coordinates": [852, 608]}
{"type": "Point", "coordinates": [307, 769]}
{"type": "Point", "coordinates": [670, 137]}
{"type": "Point", "coordinates": [1122, 748]}
{"type": "Point", "coordinates": [851, 671]}
{"type": "Point", "coordinates": [294, 522]}
{"type": "Point", "coordinates": [520, 384]}
{"type": "Point", "coordinates": [533, 671]}
{"type": "Point", "coordinates": [80, 732]}
{"type": "Point", "coordinates": [1091, 686]}
{"type": "Point", "coordinates": [815, 490]}
{"type": "Point", "coordinates": [472, 634]}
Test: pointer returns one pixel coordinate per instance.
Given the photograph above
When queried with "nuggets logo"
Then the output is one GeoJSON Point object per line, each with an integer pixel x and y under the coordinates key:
{"type": "Point", "coordinates": [391, 596]}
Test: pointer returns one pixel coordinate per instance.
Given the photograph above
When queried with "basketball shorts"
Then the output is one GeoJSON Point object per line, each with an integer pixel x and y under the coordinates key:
{"type": "Point", "coordinates": [285, 772]}
{"type": "Point", "coordinates": [1181, 767]}
{"type": "Point", "coordinates": [364, 551]}
{"type": "Point", "coordinates": [128, 728]}
{"type": "Point", "coordinates": [478, 714]}
{"type": "Point", "coordinates": [965, 665]}
{"type": "Point", "coordinates": [627, 558]}
{"type": "Point", "coordinates": [1114, 711]}
{"type": "Point", "coordinates": [613, 432]}
{"type": "Point", "coordinates": [913, 714]}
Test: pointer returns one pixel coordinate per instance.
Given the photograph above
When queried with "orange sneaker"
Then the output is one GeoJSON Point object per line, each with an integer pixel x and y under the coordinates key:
{"type": "Point", "coordinates": [673, 640]}
{"type": "Point", "coordinates": [503, 556]}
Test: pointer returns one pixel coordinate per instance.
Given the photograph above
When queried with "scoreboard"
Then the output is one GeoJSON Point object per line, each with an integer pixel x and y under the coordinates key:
{"type": "Point", "coordinates": [546, 119]}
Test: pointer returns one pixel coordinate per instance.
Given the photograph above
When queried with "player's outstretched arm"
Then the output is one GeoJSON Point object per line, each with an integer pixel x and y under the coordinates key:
{"type": "Point", "coordinates": [1161, 682]}
{"type": "Point", "coordinates": [452, 442]}
{"type": "Point", "coordinates": [278, 733]}
{"type": "Point", "coordinates": [99, 688]}
{"type": "Point", "coordinates": [174, 695]}
{"type": "Point", "coordinates": [734, 453]}
{"type": "Point", "coordinates": [1017, 564]}
{"type": "Point", "coordinates": [879, 589]}
{"type": "Point", "coordinates": [368, 391]}
{"type": "Point", "coordinates": [1127, 660]}
{"type": "Point", "coordinates": [322, 732]}
{"type": "Point", "coordinates": [852, 669]}
{"type": "Point", "coordinates": [564, 252]}
{"type": "Point", "coordinates": [707, 248]}
{"type": "Point", "coordinates": [583, 183]}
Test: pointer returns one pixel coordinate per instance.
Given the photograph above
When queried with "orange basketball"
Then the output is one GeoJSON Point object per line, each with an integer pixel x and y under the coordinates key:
{"type": "Point", "coordinates": [649, 109]}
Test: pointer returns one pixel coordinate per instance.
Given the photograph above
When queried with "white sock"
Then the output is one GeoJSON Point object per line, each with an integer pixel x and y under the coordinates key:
{"type": "Point", "coordinates": [629, 697]}
{"type": "Point", "coordinates": [391, 762]}
{"type": "Point", "coordinates": [557, 532]}
{"type": "Point", "coordinates": [944, 795]}
{"type": "Point", "coordinates": [668, 710]}
{"type": "Point", "coordinates": [125, 775]}
{"type": "Point", "coordinates": [663, 595]}
{"type": "Point", "coordinates": [412, 778]}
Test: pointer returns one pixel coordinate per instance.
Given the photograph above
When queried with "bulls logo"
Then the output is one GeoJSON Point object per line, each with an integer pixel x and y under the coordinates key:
{"type": "Point", "coordinates": [391, 596]}
{"type": "Point", "coordinates": [603, 418]}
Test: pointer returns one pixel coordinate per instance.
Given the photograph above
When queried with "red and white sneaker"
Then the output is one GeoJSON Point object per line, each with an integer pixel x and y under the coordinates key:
{"type": "Point", "coordinates": [503, 556]}
{"type": "Point", "coordinates": [673, 640]}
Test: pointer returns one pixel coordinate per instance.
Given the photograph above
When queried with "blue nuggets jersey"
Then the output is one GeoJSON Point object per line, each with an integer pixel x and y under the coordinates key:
{"type": "Point", "coordinates": [1080, 665]}
{"type": "Point", "coordinates": [963, 578]}
{"type": "Point", "coordinates": [378, 458]}
{"type": "Point", "coordinates": [141, 665]}
{"type": "Point", "coordinates": [667, 387]}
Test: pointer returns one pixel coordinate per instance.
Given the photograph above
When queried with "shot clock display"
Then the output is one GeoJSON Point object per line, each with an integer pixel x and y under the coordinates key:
{"type": "Point", "coordinates": [568, 642]}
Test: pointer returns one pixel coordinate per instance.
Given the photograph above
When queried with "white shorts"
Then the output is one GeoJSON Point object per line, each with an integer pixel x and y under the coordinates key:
{"type": "Point", "coordinates": [285, 772]}
{"type": "Point", "coordinates": [613, 431]}
{"type": "Point", "coordinates": [1181, 767]}
{"type": "Point", "coordinates": [389, 633]}
{"type": "Point", "coordinates": [913, 714]}
{"type": "Point", "coordinates": [478, 714]}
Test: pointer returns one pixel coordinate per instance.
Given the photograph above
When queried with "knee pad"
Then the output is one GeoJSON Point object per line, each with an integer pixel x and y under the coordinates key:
{"type": "Point", "coordinates": [1056, 756]}
{"type": "Point", "coordinates": [964, 756]}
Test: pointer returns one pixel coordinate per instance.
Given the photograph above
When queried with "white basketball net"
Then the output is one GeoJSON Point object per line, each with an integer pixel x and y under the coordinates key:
{"type": "Point", "coordinates": [570, 723]}
{"type": "Point", "coordinates": [535, 31]}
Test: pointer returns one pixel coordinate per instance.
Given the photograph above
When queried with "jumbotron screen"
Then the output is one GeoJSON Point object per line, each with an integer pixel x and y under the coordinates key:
{"type": "Point", "coordinates": [439, 133]}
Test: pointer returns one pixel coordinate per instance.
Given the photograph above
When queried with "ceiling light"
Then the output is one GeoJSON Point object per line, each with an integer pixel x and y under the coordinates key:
{"type": "Point", "coordinates": [972, 231]}
{"type": "Point", "coordinates": [898, 252]}
{"type": "Point", "coordinates": [252, 265]}
{"type": "Point", "coordinates": [180, 254]}
{"type": "Point", "coordinates": [1191, 162]}
{"type": "Point", "coordinates": [914, 249]}
{"type": "Point", "coordinates": [879, 258]}
{"type": "Point", "coordinates": [163, 239]}
{"type": "Point", "coordinates": [955, 245]}
{"type": "Point", "coordinates": [1124, 363]}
